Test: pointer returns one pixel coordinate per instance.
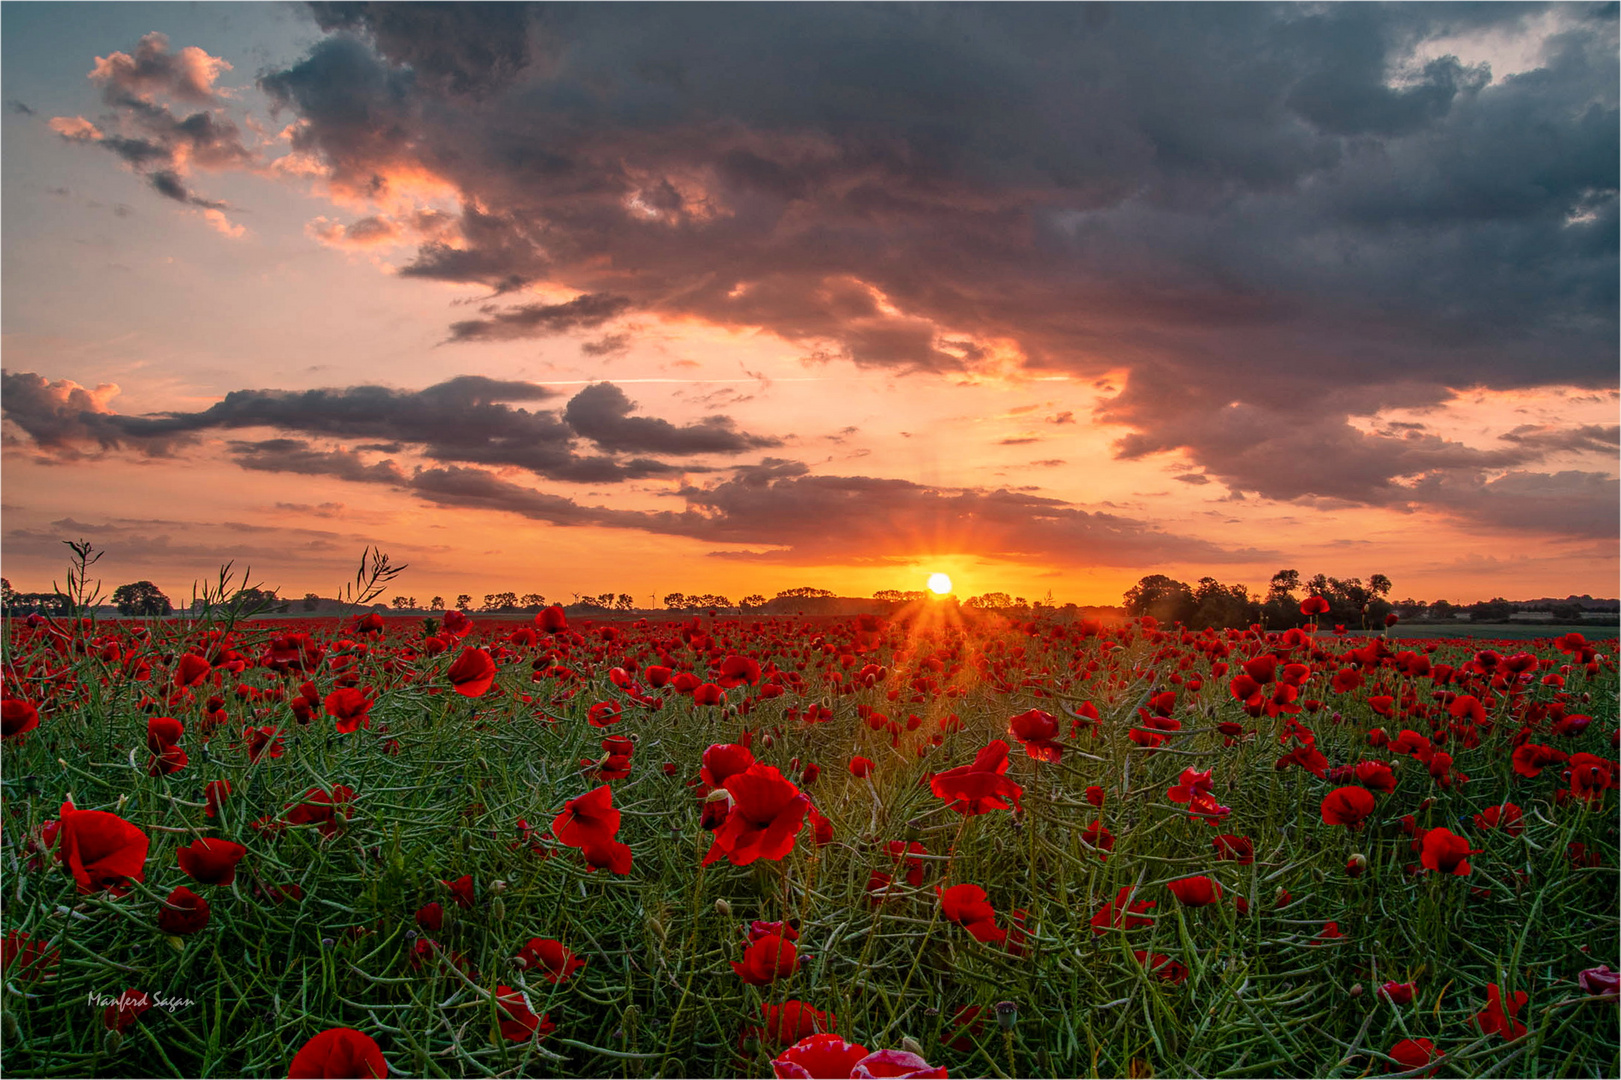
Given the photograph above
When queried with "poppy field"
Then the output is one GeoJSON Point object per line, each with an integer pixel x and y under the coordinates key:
{"type": "Point", "coordinates": [924, 845]}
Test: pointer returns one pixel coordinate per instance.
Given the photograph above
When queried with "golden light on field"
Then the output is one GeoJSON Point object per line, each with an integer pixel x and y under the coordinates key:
{"type": "Point", "coordinates": [939, 584]}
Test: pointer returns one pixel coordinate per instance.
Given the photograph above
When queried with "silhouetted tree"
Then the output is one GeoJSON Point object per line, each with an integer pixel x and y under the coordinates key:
{"type": "Point", "coordinates": [1164, 598]}
{"type": "Point", "coordinates": [311, 601]}
{"type": "Point", "coordinates": [141, 598]}
{"type": "Point", "coordinates": [463, 601]}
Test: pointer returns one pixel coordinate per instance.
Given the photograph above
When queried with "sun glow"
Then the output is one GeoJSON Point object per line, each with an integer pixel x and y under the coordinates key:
{"type": "Point", "coordinates": [939, 584]}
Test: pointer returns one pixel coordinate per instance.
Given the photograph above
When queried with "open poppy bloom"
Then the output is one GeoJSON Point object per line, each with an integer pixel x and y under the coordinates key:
{"type": "Point", "coordinates": [101, 850]}
{"type": "Point", "coordinates": [766, 815]}
{"type": "Point", "coordinates": [979, 788]}
{"type": "Point", "coordinates": [767, 959]}
{"type": "Point", "coordinates": [1493, 1018]}
{"type": "Point", "coordinates": [896, 1064]}
{"type": "Point", "coordinates": [1397, 993]}
{"type": "Point", "coordinates": [1037, 730]}
{"type": "Point", "coordinates": [860, 767]}
{"type": "Point", "coordinates": [1239, 849]}
{"type": "Point", "coordinates": [1415, 1054]}
{"type": "Point", "coordinates": [461, 890]}
{"type": "Point", "coordinates": [210, 861]}
{"type": "Point", "coordinates": [967, 906]}
{"type": "Point", "coordinates": [17, 717]}
{"type": "Point", "coordinates": [121, 1014]}
{"type": "Point", "coordinates": [1168, 970]}
{"type": "Point", "coordinates": [818, 1056]}
{"type": "Point", "coordinates": [27, 960]}
{"type": "Point", "coordinates": [1347, 806]}
{"type": "Point", "coordinates": [792, 1021]}
{"type": "Point", "coordinates": [550, 958]}
{"type": "Point", "coordinates": [472, 673]}
{"type": "Point", "coordinates": [722, 761]}
{"type": "Point", "coordinates": [1122, 913]}
{"type": "Point", "coordinates": [1195, 891]}
{"type": "Point", "coordinates": [1506, 817]}
{"type": "Point", "coordinates": [1446, 852]}
{"type": "Point", "coordinates": [339, 1052]}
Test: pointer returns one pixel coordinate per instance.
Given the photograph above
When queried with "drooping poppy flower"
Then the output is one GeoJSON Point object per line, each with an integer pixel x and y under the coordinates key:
{"type": "Point", "coordinates": [1446, 852]}
{"type": "Point", "coordinates": [101, 850]}
{"type": "Point", "coordinates": [860, 767]}
{"type": "Point", "coordinates": [339, 1052]}
{"type": "Point", "coordinates": [967, 906]}
{"type": "Point", "coordinates": [550, 958]}
{"type": "Point", "coordinates": [818, 1057]}
{"type": "Point", "coordinates": [1196, 891]}
{"type": "Point", "coordinates": [472, 673]}
{"type": "Point", "coordinates": [1347, 806]}
{"type": "Point", "coordinates": [1599, 981]}
{"type": "Point", "coordinates": [17, 717]}
{"type": "Point", "coordinates": [766, 815]}
{"type": "Point", "coordinates": [1494, 1019]}
{"type": "Point", "coordinates": [1122, 913]}
{"type": "Point", "coordinates": [767, 959]}
{"type": "Point", "coordinates": [980, 787]}
{"type": "Point", "coordinates": [121, 1015]}
{"type": "Point", "coordinates": [184, 912]}
{"type": "Point", "coordinates": [1037, 730]}
{"type": "Point", "coordinates": [897, 1065]}
{"type": "Point", "coordinates": [518, 1021]}
{"type": "Point", "coordinates": [27, 960]}
{"type": "Point", "coordinates": [211, 861]}
{"type": "Point", "coordinates": [1239, 849]}
{"type": "Point", "coordinates": [1413, 1054]}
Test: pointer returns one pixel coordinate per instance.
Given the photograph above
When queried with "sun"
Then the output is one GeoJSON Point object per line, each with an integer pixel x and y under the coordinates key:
{"type": "Point", "coordinates": [939, 584]}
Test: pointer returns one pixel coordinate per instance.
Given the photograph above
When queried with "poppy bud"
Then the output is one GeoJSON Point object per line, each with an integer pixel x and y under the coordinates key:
{"type": "Point", "coordinates": [723, 908]}
{"type": "Point", "coordinates": [1355, 865]}
{"type": "Point", "coordinates": [498, 886]}
{"type": "Point", "coordinates": [1356, 990]}
{"type": "Point", "coordinates": [912, 1046]}
{"type": "Point", "coordinates": [1007, 1014]}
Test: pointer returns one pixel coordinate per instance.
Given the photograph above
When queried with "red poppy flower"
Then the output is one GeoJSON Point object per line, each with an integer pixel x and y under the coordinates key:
{"type": "Point", "coordinates": [1240, 849]}
{"type": "Point", "coordinates": [965, 1026]}
{"type": "Point", "coordinates": [1397, 993]}
{"type": "Point", "coordinates": [1590, 776]}
{"type": "Point", "coordinates": [321, 808]}
{"type": "Point", "coordinates": [766, 815]}
{"type": "Point", "coordinates": [1599, 981]}
{"type": "Point", "coordinates": [1531, 758]}
{"type": "Point", "coordinates": [431, 917]}
{"type": "Point", "coordinates": [896, 1064]}
{"type": "Point", "coordinates": [350, 708]}
{"type": "Point", "coordinates": [1413, 1054]}
{"type": "Point", "coordinates": [211, 861]}
{"type": "Point", "coordinates": [1507, 817]}
{"type": "Point", "coordinates": [722, 761]}
{"type": "Point", "coordinates": [1314, 605]}
{"type": "Point", "coordinates": [162, 732]}
{"type": "Point", "coordinates": [518, 1021]}
{"type": "Point", "coordinates": [979, 788]}
{"type": "Point", "coordinates": [553, 620]}
{"type": "Point", "coordinates": [899, 850]}
{"type": "Point", "coordinates": [1171, 971]}
{"type": "Point", "coordinates": [338, 1052]}
{"type": "Point", "coordinates": [967, 906]}
{"type": "Point", "coordinates": [461, 890]}
{"type": "Point", "coordinates": [793, 1021]}
{"type": "Point", "coordinates": [167, 763]}
{"type": "Point", "coordinates": [1493, 1018]}
{"type": "Point", "coordinates": [1191, 785]}
{"type": "Point", "coordinates": [818, 1057]}
{"type": "Point", "coordinates": [708, 694]}
{"type": "Point", "coordinates": [472, 673]}
{"type": "Point", "coordinates": [101, 850]}
{"type": "Point", "coordinates": [549, 958]}
{"type": "Point", "coordinates": [1099, 837]}
{"type": "Point", "coordinates": [860, 767]}
{"type": "Point", "coordinates": [184, 912]}
{"type": "Point", "coordinates": [587, 818]}
{"type": "Point", "coordinates": [27, 960]}
{"type": "Point", "coordinates": [603, 714]}
{"type": "Point", "coordinates": [1347, 806]}
{"type": "Point", "coordinates": [739, 671]}
{"type": "Point", "coordinates": [1122, 913]}
{"type": "Point", "coordinates": [1094, 795]}
{"type": "Point", "coordinates": [17, 717]}
{"type": "Point", "coordinates": [1446, 852]}
{"type": "Point", "coordinates": [191, 670]}
{"type": "Point", "coordinates": [1037, 730]}
{"type": "Point", "coordinates": [1195, 891]}
{"type": "Point", "coordinates": [121, 1014]}
{"type": "Point", "coordinates": [262, 742]}
{"type": "Point", "coordinates": [766, 960]}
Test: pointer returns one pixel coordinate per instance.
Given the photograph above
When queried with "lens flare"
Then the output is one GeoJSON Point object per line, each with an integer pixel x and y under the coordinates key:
{"type": "Point", "coordinates": [939, 584]}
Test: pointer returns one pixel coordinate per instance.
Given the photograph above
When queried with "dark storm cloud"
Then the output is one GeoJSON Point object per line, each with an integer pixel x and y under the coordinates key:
{"type": "Point", "coordinates": [464, 419]}
{"type": "Point", "coordinates": [602, 413]}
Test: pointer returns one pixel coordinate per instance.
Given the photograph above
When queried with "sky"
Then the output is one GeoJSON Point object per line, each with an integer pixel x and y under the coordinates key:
{"type": "Point", "coordinates": [732, 299]}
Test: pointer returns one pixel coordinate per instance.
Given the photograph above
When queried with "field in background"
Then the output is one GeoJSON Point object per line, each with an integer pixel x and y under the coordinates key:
{"type": "Point", "coordinates": [1324, 948]}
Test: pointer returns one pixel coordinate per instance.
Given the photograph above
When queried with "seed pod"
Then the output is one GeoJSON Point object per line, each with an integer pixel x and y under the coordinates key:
{"type": "Point", "coordinates": [1007, 1014]}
